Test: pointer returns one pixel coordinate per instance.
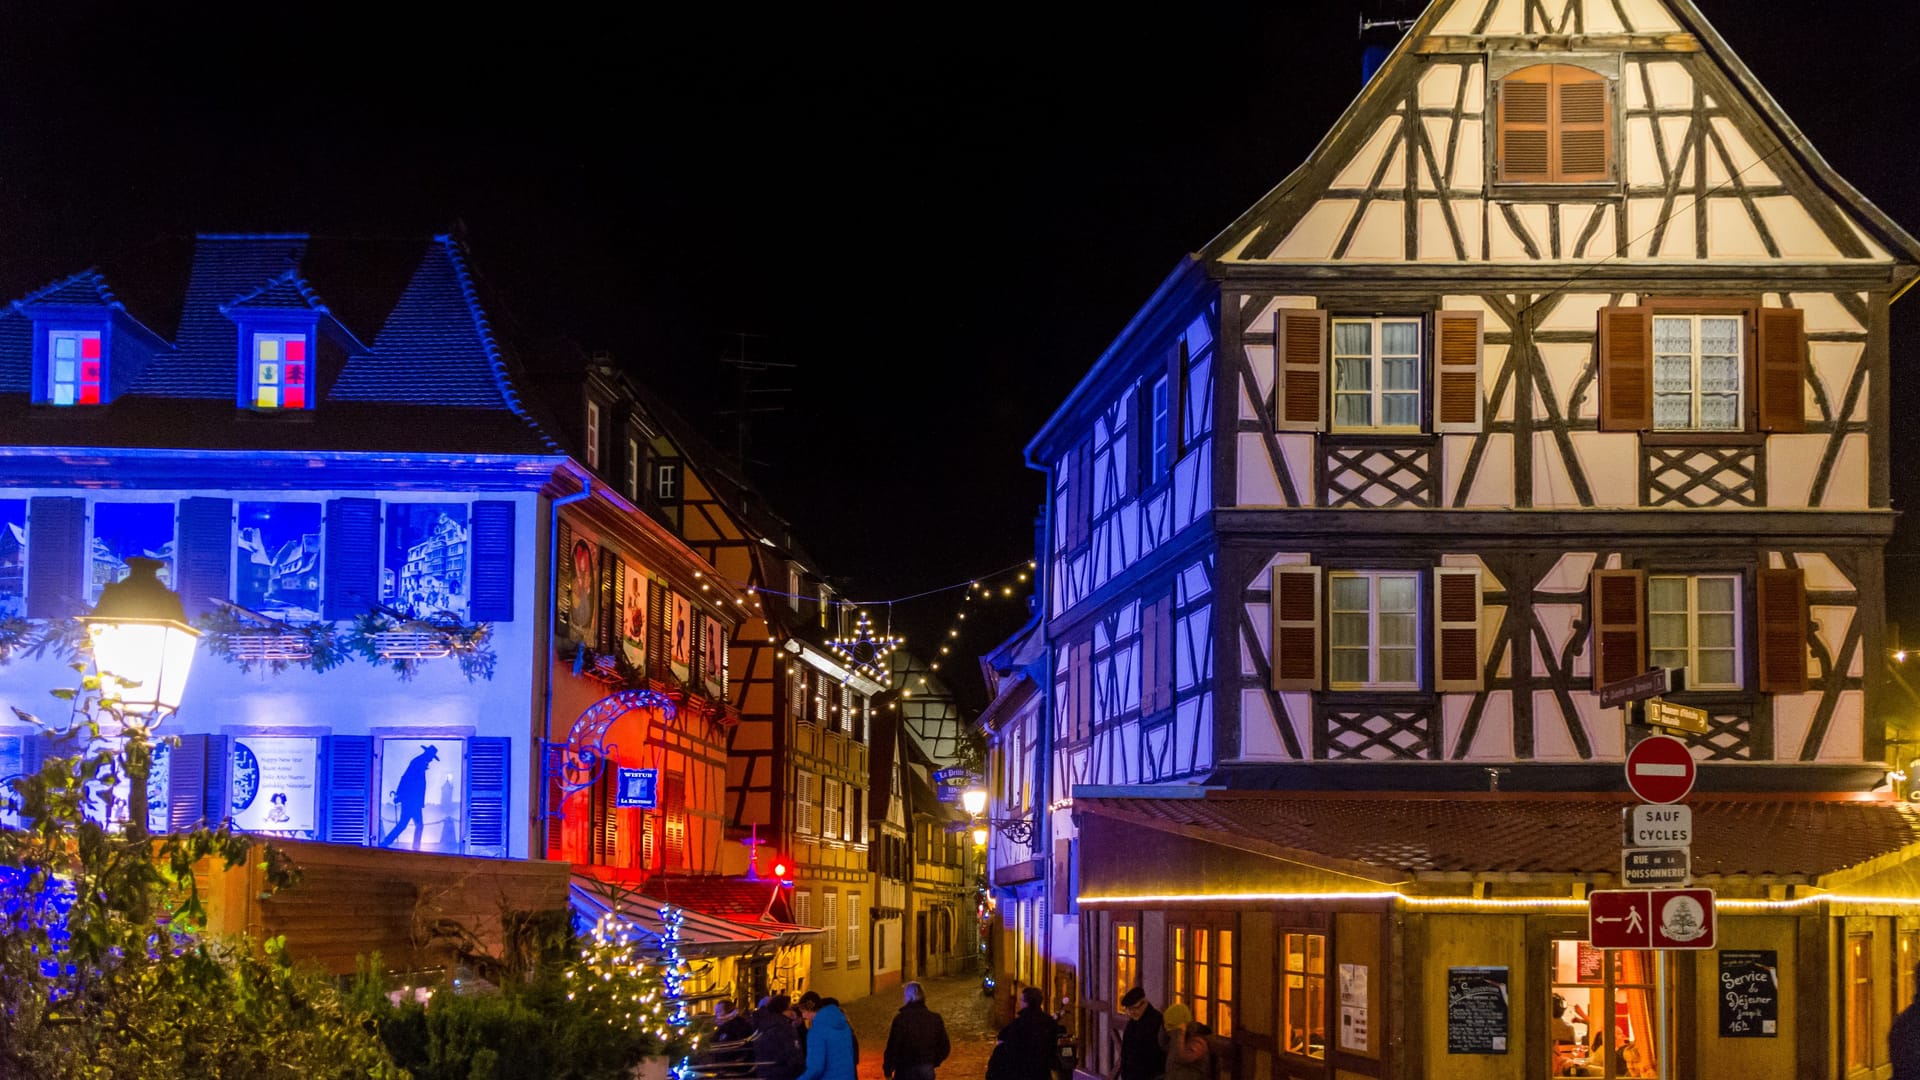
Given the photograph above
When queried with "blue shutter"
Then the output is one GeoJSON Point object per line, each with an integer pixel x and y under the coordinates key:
{"type": "Point", "coordinates": [492, 596]}
{"type": "Point", "coordinates": [197, 792]}
{"type": "Point", "coordinates": [349, 789]}
{"type": "Point", "coordinates": [352, 569]}
{"type": "Point", "coordinates": [488, 762]}
{"type": "Point", "coordinates": [56, 551]}
{"type": "Point", "coordinates": [203, 561]}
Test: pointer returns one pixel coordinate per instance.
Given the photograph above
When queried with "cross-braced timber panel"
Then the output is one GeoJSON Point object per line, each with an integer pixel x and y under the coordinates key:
{"type": "Point", "coordinates": [1379, 476]}
{"type": "Point", "coordinates": [1729, 734]}
{"type": "Point", "coordinates": [1374, 733]}
{"type": "Point", "coordinates": [1703, 476]}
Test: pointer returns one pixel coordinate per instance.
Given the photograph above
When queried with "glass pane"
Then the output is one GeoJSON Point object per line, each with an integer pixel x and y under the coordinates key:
{"type": "Point", "coordinates": [1719, 412]}
{"type": "Point", "coordinates": [1349, 594]}
{"type": "Point", "coordinates": [1672, 374]}
{"type": "Point", "coordinates": [1400, 410]}
{"type": "Point", "coordinates": [1672, 411]}
{"type": "Point", "coordinates": [1720, 374]}
{"type": "Point", "coordinates": [1716, 593]}
{"type": "Point", "coordinates": [1719, 335]}
{"type": "Point", "coordinates": [1667, 631]}
{"type": "Point", "coordinates": [1349, 666]}
{"type": "Point", "coordinates": [1715, 669]}
{"type": "Point", "coordinates": [1673, 335]}
{"type": "Point", "coordinates": [1352, 374]}
{"type": "Point", "coordinates": [1317, 1018]}
{"type": "Point", "coordinates": [1396, 666]}
{"type": "Point", "coordinates": [1352, 410]}
{"type": "Point", "coordinates": [1396, 631]}
{"type": "Point", "coordinates": [1397, 593]}
{"type": "Point", "coordinates": [1349, 631]}
{"type": "Point", "coordinates": [1316, 954]}
{"type": "Point", "coordinates": [1400, 374]}
{"type": "Point", "coordinates": [1296, 952]}
{"type": "Point", "coordinates": [1716, 631]}
{"type": "Point", "coordinates": [1667, 594]}
{"type": "Point", "coordinates": [1672, 661]}
{"type": "Point", "coordinates": [1399, 338]}
{"type": "Point", "coordinates": [1352, 339]}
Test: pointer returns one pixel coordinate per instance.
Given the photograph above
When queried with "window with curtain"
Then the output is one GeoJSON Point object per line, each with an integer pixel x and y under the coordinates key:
{"type": "Point", "coordinates": [1376, 375]}
{"type": "Point", "coordinates": [1201, 970]}
{"type": "Point", "coordinates": [1859, 1029]}
{"type": "Point", "coordinates": [1126, 958]}
{"type": "Point", "coordinates": [1906, 953]}
{"type": "Point", "coordinates": [1693, 622]}
{"type": "Point", "coordinates": [1589, 986]}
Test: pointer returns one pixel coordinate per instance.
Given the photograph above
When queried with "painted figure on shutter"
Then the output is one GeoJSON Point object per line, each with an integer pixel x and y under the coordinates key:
{"type": "Point", "coordinates": [411, 770]}
{"type": "Point", "coordinates": [583, 617]}
{"type": "Point", "coordinates": [124, 530]}
{"type": "Point", "coordinates": [633, 633]}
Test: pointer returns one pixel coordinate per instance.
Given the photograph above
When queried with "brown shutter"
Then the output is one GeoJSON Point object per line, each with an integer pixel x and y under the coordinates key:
{"type": "Point", "coordinates": [1783, 631]}
{"type": "Point", "coordinates": [613, 591]}
{"type": "Point", "coordinates": [1296, 628]}
{"type": "Point", "coordinates": [1163, 653]}
{"type": "Point", "coordinates": [1583, 136]}
{"type": "Point", "coordinates": [1526, 103]}
{"type": "Point", "coordinates": [1456, 647]}
{"type": "Point", "coordinates": [1626, 368]}
{"type": "Point", "coordinates": [1618, 619]}
{"type": "Point", "coordinates": [1300, 364]}
{"type": "Point", "coordinates": [1782, 369]}
{"type": "Point", "coordinates": [1177, 403]}
{"type": "Point", "coordinates": [1149, 655]}
{"type": "Point", "coordinates": [1456, 378]}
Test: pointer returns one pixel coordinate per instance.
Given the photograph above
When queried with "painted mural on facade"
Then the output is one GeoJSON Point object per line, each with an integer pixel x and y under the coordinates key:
{"type": "Point", "coordinates": [633, 619]}
{"type": "Point", "coordinates": [277, 559]}
{"type": "Point", "coordinates": [422, 799]}
{"type": "Point", "coordinates": [426, 567]}
{"type": "Point", "coordinates": [274, 783]}
{"type": "Point", "coordinates": [123, 531]}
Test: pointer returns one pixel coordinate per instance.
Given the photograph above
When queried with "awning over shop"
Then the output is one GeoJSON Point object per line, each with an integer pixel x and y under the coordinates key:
{"type": "Point", "coordinates": [722, 926]}
{"type": "Point", "coordinates": [1376, 842]}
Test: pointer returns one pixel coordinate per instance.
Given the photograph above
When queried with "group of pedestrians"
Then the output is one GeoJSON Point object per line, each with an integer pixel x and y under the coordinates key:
{"type": "Point", "coordinates": [810, 1039]}
{"type": "Point", "coordinates": [1162, 1046]}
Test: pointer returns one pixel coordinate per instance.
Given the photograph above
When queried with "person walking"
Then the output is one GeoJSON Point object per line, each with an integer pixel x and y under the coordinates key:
{"type": "Point", "coordinates": [917, 1042]}
{"type": "Point", "coordinates": [831, 1052]}
{"type": "Point", "coordinates": [1903, 1038]}
{"type": "Point", "coordinates": [1030, 1045]}
{"type": "Point", "coordinates": [776, 1045]}
{"type": "Point", "coordinates": [1141, 1057]}
{"type": "Point", "coordinates": [1186, 1044]}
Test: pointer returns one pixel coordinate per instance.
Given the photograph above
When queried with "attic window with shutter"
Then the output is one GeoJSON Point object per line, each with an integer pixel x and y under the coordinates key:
{"type": "Point", "coordinates": [280, 370]}
{"type": "Point", "coordinates": [73, 366]}
{"type": "Point", "coordinates": [1555, 126]}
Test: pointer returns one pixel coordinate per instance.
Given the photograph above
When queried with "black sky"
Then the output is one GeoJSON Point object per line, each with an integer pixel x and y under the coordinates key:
{"type": "Point", "coordinates": [939, 215]}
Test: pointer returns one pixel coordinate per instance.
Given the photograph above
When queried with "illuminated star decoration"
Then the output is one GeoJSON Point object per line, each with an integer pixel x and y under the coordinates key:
{"type": "Point", "coordinates": [864, 652]}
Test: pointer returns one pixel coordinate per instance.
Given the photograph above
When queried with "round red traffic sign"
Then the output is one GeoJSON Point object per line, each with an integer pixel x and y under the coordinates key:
{"type": "Point", "coordinates": [1660, 769]}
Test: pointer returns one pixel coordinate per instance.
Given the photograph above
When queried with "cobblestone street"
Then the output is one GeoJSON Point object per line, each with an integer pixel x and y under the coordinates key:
{"type": "Point", "coordinates": [958, 1000]}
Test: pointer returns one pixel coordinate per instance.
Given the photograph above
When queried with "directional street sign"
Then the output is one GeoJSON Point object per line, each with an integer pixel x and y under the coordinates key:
{"type": "Point", "coordinates": [1650, 683]}
{"type": "Point", "coordinates": [1650, 919]}
{"type": "Point", "coordinates": [1659, 826]}
{"type": "Point", "coordinates": [1653, 867]}
{"type": "Point", "coordinates": [1660, 769]}
{"type": "Point", "coordinates": [1663, 713]}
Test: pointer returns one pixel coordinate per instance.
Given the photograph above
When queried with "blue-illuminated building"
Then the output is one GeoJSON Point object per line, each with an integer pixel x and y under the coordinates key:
{"type": "Point", "coordinates": [326, 445]}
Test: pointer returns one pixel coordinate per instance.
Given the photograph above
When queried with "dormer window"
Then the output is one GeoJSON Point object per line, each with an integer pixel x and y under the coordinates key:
{"type": "Point", "coordinates": [280, 371]}
{"type": "Point", "coordinates": [1556, 126]}
{"type": "Point", "coordinates": [593, 435]}
{"type": "Point", "coordinates": [73, 367]}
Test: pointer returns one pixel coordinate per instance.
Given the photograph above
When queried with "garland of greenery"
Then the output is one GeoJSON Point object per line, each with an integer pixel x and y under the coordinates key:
{"type": "Point", "coordinates": [328, 645]}
{"type": "Point", "coordinates": [223, 627]}
{"type": "Point", "coordinates": [65, 639]}
{"type": "Point", "coordinates": [470, 644]}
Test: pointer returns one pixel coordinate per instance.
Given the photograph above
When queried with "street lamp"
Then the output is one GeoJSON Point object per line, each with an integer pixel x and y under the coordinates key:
{"type": "Point", "coordinates": [979, 836]}
{"type": "Point", "coordinates": [1018, 830]}
{"type": "Point", "coordinates": [142, 650]}
{"type": "Point", "coordinates": [973, 800]}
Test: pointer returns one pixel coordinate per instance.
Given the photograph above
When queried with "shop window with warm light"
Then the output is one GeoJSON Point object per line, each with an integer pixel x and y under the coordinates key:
{"type": "Point", "coordinates": [1303, 1002]}
{"type": "Point", "coordinates": [1200, 969]}
{"type": "Point", "coordinates": [1602, 1012]}
{"type": "Point", "coordinates": [1126, 958]}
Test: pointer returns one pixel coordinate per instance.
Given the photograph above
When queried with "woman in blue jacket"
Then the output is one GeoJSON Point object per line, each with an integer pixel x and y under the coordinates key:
{"type": "Point", "coordinates": [831, 1052]}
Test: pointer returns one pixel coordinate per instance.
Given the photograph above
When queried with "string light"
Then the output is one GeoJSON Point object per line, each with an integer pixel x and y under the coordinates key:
{"type": "Point", "coordinates": [864, 651]}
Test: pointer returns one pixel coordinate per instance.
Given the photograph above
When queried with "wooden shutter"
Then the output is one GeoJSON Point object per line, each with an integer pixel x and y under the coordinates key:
{"type": "Point", "coordinates": [675, 798]}
{"type": "Point", "coordinates": [1783, 631]}
{"type": "Point", "coordinates": [352, 569]}
{"type": "Point", "coordinates": [349, 789]}
{"type": "Point", "coordinates": [1618, 619]}
{"type": "Point", "coordinates": [488, 768]}
{"type": "Point", "coordinates": [649, 839]}
{"type": "Point", "coordinates": [1526, 125]}
{"type": "Point", "coordinates": [1296, 628]}
{"type": "Point", "coordinates": [1782, 369]}
{"type": "Point", "coordinates": [204, 563]}
{"type": "Point", "coordinates": [186, 784]}
{"type": "Point", "coordinates": [1583, 133]}
{"type": "Point", "coordinates": [613, 583]}
{"type": "Point", "coordinates": [563, 582]}
{"type": "Point", "coordinates": [1149, 657]}
{"type": "Point", "coordinates": [1458, 347]}
{"type": "Point", "coordinates": [1626, 368]}
{"type": "Point", "coordinates": [607, 849]}
{"type": "Point", "coordinates": [1176, 403]}
{"type": "Point", "coordinates": [56, 556]}
{"type": "Point", "coordinates": [491, 599]}
{"type": "Point", "coordinates": [1456, 645]}
{"type": "Point", "coordinates": [553, 758]}
{"type": "Point", "coordinates": [1300, 365]}
{"type": "Point", "coordinates": [657, 644]}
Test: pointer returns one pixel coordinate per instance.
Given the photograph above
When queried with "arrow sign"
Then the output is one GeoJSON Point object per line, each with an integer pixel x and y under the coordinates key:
{"type": "Point", "coordinates": [1656, 919]}
{"type": "Point", "coordinates": [1650, 683]}
{"type": "Point", "coordinates": [1663, 713]}
{"type": "Point", "coordinates": [1660, 769]}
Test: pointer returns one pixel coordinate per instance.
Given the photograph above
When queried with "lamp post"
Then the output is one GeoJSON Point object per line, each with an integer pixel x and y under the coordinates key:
{"type": "Point", "coordinates": [1018, 830]}
{"type": "Point", "coordinates": [142, 651]}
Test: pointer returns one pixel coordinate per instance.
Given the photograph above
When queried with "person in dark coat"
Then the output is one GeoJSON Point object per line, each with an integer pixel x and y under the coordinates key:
{"type": "Point", "coordinates": [1030, 1045]}
{"type": "Point", "coordinates": [917, 1042]}
{"type": "Point", "coordinates": [776, 1045]}
{"type": "Point", "coordinates": [1140, 1055]}
{"type": "Point", "coordinates": [730, 1027]}
{"type": "Point", "coordinates": [1903, 1039]}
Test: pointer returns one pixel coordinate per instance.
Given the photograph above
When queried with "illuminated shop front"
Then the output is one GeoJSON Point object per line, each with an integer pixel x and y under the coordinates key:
{"type": "Point", "coordinates": [1400, 936]}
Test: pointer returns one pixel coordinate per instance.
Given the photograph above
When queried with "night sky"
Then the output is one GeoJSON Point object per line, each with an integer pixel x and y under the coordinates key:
{"type": "Point", "coordinates": [940, 217]}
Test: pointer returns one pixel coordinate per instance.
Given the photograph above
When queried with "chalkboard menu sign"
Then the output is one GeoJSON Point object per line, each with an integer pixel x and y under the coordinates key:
{"type": "Point", "coordinates": [1749, 992]}
{"type": "Point", "coordinates": [1477, 1010]}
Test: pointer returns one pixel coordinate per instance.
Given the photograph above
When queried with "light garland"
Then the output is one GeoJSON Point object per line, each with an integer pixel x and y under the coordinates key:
{"type": "Point", "coordinates": [1474, 903]}
{"type": "Point", "coordinates": [612, 972]}
{"type": "Point", "coordinates": [864, 652]}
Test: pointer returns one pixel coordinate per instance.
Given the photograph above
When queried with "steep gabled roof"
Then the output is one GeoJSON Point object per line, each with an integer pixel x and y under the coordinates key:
{"type": "Point", "coordinates": [1256, 234]}
{"type": "Point", "coordinates": [87, 288]}
{"type": "Point", "coordinates": [204, 362]}
{"type": "Point", "coordinates": [287, 292]}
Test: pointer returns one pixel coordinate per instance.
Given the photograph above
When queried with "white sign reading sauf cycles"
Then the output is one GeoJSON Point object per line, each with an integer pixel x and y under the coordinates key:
{"type": "Point", "coordinates": [1662, 826]}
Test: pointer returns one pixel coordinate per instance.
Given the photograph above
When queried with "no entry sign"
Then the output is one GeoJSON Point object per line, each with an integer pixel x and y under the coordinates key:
{"type": "Point", "coordinates": [1660, 769]}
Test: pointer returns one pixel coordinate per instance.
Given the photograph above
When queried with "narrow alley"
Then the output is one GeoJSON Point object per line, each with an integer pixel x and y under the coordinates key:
{"type": "Point", "coordinates": [968, 1014]}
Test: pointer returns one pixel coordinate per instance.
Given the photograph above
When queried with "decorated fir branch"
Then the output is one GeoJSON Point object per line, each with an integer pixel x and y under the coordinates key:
{"type": "Point", "coordinates": [380, 636]}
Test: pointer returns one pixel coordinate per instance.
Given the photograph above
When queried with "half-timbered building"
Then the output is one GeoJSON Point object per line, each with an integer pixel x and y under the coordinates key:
{"type": "Point", "coordinates": [1563, 357]}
